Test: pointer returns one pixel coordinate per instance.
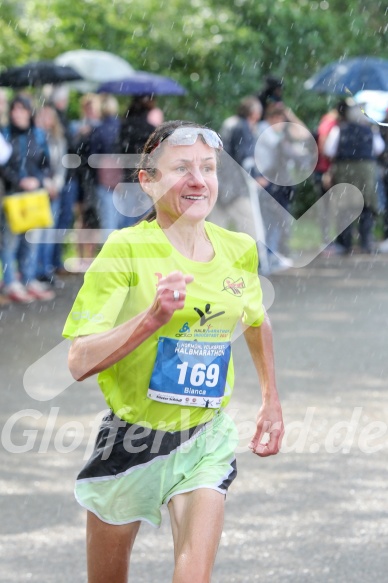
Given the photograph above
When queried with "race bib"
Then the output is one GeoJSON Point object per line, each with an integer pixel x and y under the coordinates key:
{"type": "Point", "coordinates": [190, 373]}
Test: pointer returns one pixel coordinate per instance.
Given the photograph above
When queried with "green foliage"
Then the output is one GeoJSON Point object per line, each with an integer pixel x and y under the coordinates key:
{"type": "Point", "coordinates": [220, 50]}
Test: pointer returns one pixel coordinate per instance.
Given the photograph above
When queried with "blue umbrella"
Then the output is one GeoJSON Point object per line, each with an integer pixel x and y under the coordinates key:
{"type": "Point", "coordinates": [355, 74]}
{"type": "Point", "coordinates": [143, 83]}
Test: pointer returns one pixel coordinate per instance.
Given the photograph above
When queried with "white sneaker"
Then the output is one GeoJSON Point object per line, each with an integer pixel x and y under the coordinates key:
{"type": "Point", "coordinates": [39, 291]}
{"type": "Point", "coordinates": [16, 292]}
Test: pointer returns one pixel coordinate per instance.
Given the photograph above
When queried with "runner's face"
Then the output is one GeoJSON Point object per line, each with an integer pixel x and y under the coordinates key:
{"type": "Point", "coordinates": [188, 182]}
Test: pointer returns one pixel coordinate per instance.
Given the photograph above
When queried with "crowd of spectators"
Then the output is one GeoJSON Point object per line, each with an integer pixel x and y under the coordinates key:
{"type": "Point", "coordinates": [35, 137]}
{"type": "Point", "coordinates": [351, 149]}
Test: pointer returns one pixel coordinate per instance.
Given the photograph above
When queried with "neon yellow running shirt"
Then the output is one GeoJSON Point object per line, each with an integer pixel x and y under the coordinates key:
{"type": "Point", "coordinates": [186, 365]}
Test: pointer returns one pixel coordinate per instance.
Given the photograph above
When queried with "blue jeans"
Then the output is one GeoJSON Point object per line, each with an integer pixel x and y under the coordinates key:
{"type": "Point", "coordinates": [16, 249]}
{"type": "Point", "coordinates": [46, 247]}
{"type": "Point", "coordinates": [120, 209]}
{"type": "Point", "coordinates": [276, 232]}
{"type": "Point", "coordinates": [109, 217]}
{"type": "Point", "coordinates": [68, 198]}
{"type": "Point", "coordinates": [365, 223]}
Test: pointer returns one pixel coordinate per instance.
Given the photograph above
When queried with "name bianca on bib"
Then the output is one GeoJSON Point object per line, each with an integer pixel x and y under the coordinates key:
{"type": "Point", "coordinates": [190, 373]}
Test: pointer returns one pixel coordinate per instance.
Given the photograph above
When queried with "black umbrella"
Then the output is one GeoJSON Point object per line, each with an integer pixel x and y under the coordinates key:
{"type": "Point", "coordinates": [355, 74]}
{"type": "Point", "coordinates": [37, 74]}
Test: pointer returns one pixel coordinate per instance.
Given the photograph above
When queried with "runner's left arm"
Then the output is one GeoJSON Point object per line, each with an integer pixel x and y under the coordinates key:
{"type": "Point", "coordinates": [269, 418]}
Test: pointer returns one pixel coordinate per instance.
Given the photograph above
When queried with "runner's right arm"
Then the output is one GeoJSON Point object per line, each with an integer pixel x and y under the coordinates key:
{"type": "Point", "coordinates": [94, 353]}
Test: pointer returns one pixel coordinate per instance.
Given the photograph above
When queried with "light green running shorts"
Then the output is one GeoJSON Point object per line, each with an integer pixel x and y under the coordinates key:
{"type": "Point", "coordinates": [134, 470]}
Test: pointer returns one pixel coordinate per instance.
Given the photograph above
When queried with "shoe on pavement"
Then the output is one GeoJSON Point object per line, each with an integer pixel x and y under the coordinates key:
{"type": "Point", "coordinates": [39, 291]}
{"type": "Point", "coordinates": [16, 292]}
{"type": "Point", "coordinates": [4, 301]}
{"type": "Point", "coordinates": [61, 271]}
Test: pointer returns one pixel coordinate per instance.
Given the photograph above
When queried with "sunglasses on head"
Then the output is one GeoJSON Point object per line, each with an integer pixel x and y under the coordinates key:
{"type": "Point", "coordinates": [187, 136]}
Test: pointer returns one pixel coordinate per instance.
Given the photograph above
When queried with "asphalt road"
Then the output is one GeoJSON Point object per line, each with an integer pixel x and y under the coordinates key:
{"type": "Point", "coordinates": [316, 512]}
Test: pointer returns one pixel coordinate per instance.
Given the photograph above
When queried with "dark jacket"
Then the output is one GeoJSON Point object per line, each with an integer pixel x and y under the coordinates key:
{"type": "Point", "coordinates": [135, 131]}
{"type": "Point", "coordinates": [104, 139]}
{"type": "Point", "coordinates": [238, 139]}
{"type": "Point", "coordinates": [30, 157]}
{"type": "Point", "coordinates": [355, 143]}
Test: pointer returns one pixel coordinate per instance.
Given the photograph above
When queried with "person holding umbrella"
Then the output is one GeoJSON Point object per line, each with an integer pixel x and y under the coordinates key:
{"type": "Point", "coordinates": [142, 321]}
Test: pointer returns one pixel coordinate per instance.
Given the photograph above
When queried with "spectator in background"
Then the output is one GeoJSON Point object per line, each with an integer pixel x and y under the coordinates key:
{"type": "Point", "coordinates": [5, 154]}
{"type": "Point", "coordinates": [28, 169]}
{"type": "Point", "coordinates": [276, 154]}
{"type": "Point", "coordinates": [48, 119]}
{"type": "Point", "coordinates": [353, 147]}
{"type": "Point", "coordinates": [383, 160]}
{"type": "Point", "coordinates": [271, 92]}
{"type": "Point", "coordinates": [234, 208]}
{"type": "Point", "coordinates": [60, 99]}
{"type": "Point", "coordinates": [155, 115]}
{"type": "Point", "coordinates": [322, 174]}
{"type": "Point", "coordinates": [135, 130]}
{"type": "Point", "coordinates": [4, 117]}
{"type": "Point", "coordinates": [135, 127]}
{"type": "Point", "coordinates": [104, 140]}
{"type": "Point", "coordinates": [5, 150]}
{"type": "Point", "coordinates": [86, 207]}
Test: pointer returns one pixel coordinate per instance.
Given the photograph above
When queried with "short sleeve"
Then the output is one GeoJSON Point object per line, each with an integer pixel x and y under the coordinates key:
{"type": "Point", "coordinates": [105, 288]}
{"type": "Point", "coordinates": [253, 314]}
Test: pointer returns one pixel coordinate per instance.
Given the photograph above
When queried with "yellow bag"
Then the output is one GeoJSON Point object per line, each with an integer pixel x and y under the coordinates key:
{"type": "Point", "coordinates": [28, 210]}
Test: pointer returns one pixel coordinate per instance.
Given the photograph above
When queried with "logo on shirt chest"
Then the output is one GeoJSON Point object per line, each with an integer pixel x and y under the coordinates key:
{"type": "Point", "coordinates": [207, 314]}
{"type": "Point", "coordinates": [234, 287]}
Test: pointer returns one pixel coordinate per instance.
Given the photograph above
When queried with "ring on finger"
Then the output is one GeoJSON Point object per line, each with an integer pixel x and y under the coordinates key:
{"type": "Point", "coordinates": [176, 295]}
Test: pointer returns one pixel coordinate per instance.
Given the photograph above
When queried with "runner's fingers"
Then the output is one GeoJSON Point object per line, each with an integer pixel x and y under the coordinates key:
{"type": "Point", "coordinates": [272, 447]}
{"type": "Point", "coordinates": [173, 281]}
{"type": "Point", "coordinates": [173, 287]}
{"type": "Point", "coordinates": [175, 294]}
{"type": "Point", "coordinates": [267, 440]}
{"type": "Point", "coordinates": [171, 299]}
{"type": "Point", "coordinates": [262, 428]}
{"type": "Point", "coordinates": [274, 442]}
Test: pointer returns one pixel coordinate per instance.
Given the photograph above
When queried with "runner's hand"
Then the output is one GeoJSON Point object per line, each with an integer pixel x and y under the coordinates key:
{"type": "Point", "coordinates": [270, 422]}
{"type": "Point", "coordinates": [165, 304]}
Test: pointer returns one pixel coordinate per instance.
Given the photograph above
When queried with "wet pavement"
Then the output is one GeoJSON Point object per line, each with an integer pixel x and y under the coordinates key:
{"type": "Point", "coordinates": [316, 512]}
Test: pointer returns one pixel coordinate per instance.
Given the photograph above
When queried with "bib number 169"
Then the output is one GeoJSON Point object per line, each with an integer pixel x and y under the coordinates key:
{"type": "Point", "coordinates": [200, 374]}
